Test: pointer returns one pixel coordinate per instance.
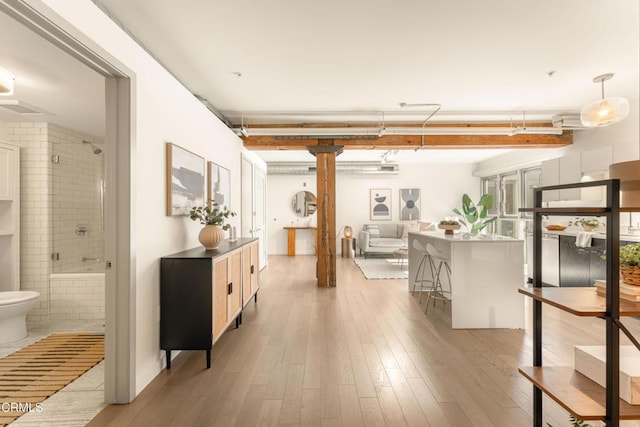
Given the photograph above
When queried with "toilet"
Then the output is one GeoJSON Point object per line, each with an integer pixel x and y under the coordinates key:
{"type": "Point", "coordinates": [14, 306]}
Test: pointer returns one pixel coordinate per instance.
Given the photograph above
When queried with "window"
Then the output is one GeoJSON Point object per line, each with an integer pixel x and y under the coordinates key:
{"type": "Point", "coordinates": [490, 186]}
{"type": "Point", "coordinates": [511, 191]}
{"type": "Point", "coordinates": [531, 179]}
{"type": "Point", "coordinates": [510, 200]}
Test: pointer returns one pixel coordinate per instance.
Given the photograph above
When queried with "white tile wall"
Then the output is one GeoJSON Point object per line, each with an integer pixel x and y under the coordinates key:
{"type": "Point", "coordinates": [77, 298]}
{"type": "Point", "coordinates": [38, 143]}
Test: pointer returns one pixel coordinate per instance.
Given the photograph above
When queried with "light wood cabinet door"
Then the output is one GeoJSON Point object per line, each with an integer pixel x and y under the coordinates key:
{"type": "Point", "coordinates": [246, 274]}
{"type": "Point", "coordinates": [234, 297]}
{"type": "Point", "coordinates": [254, 267]}
{"type": "Point", "coordinates": [220, 292]}
{"type": "Point", "coordinates": [250, 267]}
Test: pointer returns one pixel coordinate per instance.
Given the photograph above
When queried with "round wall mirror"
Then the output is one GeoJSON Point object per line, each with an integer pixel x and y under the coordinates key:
{"type": "Point", "coordinates": [304, 203]}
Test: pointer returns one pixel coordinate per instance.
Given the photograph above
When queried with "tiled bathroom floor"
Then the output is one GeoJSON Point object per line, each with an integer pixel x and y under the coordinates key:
{"type": "Point", "coordinates": [78, 402]}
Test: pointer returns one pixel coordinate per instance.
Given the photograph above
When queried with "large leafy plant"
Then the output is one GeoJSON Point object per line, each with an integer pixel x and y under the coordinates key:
{"type": "Point", "coordinates": [474, 215]}
{"type": "Point", "coordinates": [212, 216]}
{"type": "Point", "coordinates": [630, 255]}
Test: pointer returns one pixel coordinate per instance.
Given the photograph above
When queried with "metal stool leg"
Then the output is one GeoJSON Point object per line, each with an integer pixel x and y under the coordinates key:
{"type": "Point", "coordinates": [437, 285]}
{"type": "Point", "coordinates": [420, 272]}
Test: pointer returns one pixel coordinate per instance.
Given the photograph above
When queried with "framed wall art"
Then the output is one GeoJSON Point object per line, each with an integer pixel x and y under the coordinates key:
{"type": "Point", "coordinates": [219, 188]}
{"type": "Point", "coordinates": [185, 180]}
{"type": "Point", "coordinates": [380, 204]}
{"type": "Point", "coordinates": [409, 204]}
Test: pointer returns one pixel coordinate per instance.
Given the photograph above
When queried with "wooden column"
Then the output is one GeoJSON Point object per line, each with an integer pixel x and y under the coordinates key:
{"type": "Point", "coordinates": [326, 187]}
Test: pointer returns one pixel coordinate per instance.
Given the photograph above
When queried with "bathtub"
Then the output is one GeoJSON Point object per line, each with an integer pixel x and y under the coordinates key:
{"type": "Point", "coordinates": [14, 306]}
{"type": "Point", "coordinates": [77, 295]}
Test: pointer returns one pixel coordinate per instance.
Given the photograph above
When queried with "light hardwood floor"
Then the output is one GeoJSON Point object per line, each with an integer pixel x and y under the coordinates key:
{"type": "Point", "coordinates": [361, 354]}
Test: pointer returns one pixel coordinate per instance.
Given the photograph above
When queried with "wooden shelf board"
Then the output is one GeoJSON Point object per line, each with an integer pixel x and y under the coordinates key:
{"type": "Point", "coordinates": [630, 209]}
{"type": "Point", "coordinates": [576, 393]}
{"type": "Point", "coordinates": [579, 301]}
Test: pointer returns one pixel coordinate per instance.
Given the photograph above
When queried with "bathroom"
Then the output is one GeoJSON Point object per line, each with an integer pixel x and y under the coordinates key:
{"type": "Point", "coordinates": [61, 221]}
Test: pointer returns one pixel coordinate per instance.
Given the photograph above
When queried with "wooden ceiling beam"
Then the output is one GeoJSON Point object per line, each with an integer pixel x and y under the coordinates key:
{"type": "Point", "coordinates": [408, 142]}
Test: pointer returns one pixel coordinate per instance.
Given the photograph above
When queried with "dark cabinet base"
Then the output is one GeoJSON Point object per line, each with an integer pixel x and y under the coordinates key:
{"type": "Point", "coordinates": [168, 354]}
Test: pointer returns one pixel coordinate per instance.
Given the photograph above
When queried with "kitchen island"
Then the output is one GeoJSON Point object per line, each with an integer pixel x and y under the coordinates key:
{"type": "Point", "coordinates": [486, 272]}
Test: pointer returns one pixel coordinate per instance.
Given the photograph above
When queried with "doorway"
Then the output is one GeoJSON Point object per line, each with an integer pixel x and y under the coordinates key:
{"type": "Point", "coordinates": [253, 212]}
{"type": "Point", "coordinates": [118, 152]}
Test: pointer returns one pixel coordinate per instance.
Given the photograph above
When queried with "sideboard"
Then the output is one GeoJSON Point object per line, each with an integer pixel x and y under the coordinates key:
{"type": "Point", "coordinates": [202, 292]}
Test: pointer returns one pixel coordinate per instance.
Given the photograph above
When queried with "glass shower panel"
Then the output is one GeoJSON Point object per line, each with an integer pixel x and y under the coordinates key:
{"type": "Point", "coordinates": [77, 206]}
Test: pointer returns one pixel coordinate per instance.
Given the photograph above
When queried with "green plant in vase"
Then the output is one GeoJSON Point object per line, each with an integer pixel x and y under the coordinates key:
{"type": "Point", "coordinates": [213, 220]}
{"type": "Point", "coordinates": [211, 216]}
{"type": "Point", "coordinates": [474, 216]}
{"type": "Point", "coordinates": [587, 223]}
{"type": "Point", "coordinates": [630, 255]}
{"type": "Point", "coordinates": [630, 264]}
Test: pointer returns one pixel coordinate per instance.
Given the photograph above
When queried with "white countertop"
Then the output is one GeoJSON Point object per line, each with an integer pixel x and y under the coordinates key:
{"type": "Point", "coordinates": [462, 237]}
{"type": "Point", "coordinates": [596, 235]}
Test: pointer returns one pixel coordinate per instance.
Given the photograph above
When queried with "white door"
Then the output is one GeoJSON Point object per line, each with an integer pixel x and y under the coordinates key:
{"type": "Point", "coordinates": [253, 212]}
{"type": "Point", "coordinates": [260, 213]}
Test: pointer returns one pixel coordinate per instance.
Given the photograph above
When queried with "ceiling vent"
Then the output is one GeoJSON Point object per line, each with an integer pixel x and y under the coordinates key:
{"type": "Point", "coordinates": [567, 122]}
{"type": "Point", "coordinates": [22, 108]}
{"type": "Point", "coordinates": [342, 168]}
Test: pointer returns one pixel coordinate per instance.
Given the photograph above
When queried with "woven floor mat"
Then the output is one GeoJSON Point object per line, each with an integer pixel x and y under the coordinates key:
{"type": "Point", "coordinates": [31, 375]}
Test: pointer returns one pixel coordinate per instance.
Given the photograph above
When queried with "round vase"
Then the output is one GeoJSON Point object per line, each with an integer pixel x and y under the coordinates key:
{"type": "Point", "coordinates": [211, 236]}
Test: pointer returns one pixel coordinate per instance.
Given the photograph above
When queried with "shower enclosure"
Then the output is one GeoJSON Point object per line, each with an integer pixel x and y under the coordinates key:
{"type": "Point", "coordinates": [77, 206]}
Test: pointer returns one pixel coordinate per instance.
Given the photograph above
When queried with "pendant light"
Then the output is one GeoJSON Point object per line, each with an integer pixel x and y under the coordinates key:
{"type": "Point", "coordinates": [606, 111]}
{"type": "Point", "coordinates": [6, 82]}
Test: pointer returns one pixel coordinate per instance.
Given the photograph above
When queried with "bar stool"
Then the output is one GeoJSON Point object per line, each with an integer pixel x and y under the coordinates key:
{"type": "Point", "coordinates": [437, 257]}
{"type": "Point", "coordinates": [425, 263]}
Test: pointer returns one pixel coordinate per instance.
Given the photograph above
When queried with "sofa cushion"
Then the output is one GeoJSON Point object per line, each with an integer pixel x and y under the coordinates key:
{"type": "Point", "coordinates": [427, 226]}
{"type": "Point", "coordinates": [409, 228]}
{"type": "Point", "coordinates": [386, 243]}
{"type": "Point", "coordinates": [373, 230]}
{"type": "Point", "coordinates": [385, 230]}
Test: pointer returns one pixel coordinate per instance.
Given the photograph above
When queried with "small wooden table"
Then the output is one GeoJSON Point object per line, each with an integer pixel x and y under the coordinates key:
{"type": "Point", "coordinates": [291, 239]}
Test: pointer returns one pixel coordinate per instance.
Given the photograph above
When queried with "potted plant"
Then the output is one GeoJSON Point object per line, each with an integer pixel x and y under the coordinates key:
{"type": "Point", "coordinates": [213, 220]}
{"type": "Point", "coordinates": [630, 264]}
{"type": "Point", "coordinates": [475, 214]}
{"type": "Point", "coordinates": [588, 224]}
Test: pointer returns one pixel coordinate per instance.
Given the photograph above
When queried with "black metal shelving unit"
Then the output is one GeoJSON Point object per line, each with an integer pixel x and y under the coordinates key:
{"type": "Point", "coordinates": [582, 302]}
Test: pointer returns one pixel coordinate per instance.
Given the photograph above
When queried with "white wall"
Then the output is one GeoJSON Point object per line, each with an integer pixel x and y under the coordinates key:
{"type": "Point", "coordinates": [441, 187]}
{"type": "Point", "coordinates": [165, 111]}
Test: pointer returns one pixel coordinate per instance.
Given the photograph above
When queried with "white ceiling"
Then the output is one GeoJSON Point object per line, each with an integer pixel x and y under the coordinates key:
{"type": "Point", "coordinates": [50, 80]}
{"type": "Point", "coordinates": [472, 57]}
{"type": "Point", "coordinates": [480, 60]}
{"type": "Point", "coordinates": [365, 55]}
